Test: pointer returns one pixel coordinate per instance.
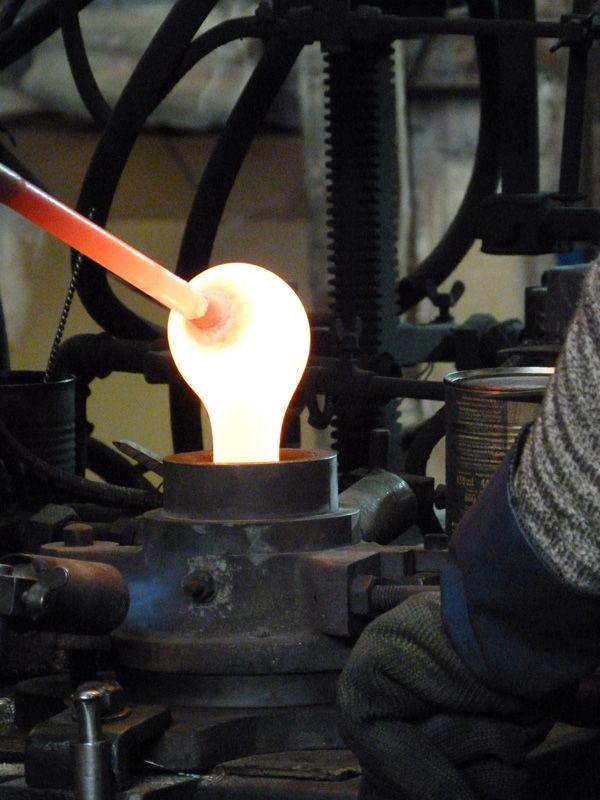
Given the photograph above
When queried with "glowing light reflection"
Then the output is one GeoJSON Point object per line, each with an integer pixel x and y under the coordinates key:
{"type": "Point", "coordinates": [245, 368]}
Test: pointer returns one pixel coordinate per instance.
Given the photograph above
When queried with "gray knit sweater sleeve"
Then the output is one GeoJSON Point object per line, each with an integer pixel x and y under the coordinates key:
{"type": "Point", "coordinates": [557, 484]}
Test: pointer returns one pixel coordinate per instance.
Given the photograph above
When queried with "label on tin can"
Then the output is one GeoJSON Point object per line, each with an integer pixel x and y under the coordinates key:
{"type": "Point", "coordinates": [485, 411]}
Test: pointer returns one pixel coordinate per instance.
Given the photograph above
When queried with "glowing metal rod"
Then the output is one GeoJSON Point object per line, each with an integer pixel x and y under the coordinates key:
{"type": "Point", "coordinates": [98, 244]}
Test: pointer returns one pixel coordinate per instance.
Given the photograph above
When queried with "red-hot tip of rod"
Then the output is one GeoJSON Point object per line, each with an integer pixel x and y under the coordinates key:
{"type": "Point", "coordinates": [105, 249]}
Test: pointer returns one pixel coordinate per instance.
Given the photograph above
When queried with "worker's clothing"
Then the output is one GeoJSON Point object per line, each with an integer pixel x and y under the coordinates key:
{"type": "Point", "coordinates": [557, 485]}
{"type": "Point", "coordinates": [422, 724]}
{"type": "Point", "coordinates": [514, 621]}
{"type": "Point", "coordinates": [447, 706]}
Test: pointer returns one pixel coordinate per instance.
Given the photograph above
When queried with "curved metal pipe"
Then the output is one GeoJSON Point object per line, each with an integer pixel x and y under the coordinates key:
{"type": "Point", "coordinates": [459, 237]}
{"type": "Point", "coordinates": [144, 90]}
{"type": "Point", "coordinates": [229, 154]}
{"type": "Point", "coordinates": [88, 89]}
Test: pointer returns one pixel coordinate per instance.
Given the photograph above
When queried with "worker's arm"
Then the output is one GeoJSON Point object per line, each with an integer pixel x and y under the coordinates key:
{"type": "Point", "coordinates": [447, 702]}
{"type": "Point", "coordinates": [521, 595]}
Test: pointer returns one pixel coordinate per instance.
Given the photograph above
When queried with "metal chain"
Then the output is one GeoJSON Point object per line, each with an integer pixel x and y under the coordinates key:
{"type": "Point", "coordinates": [64, 315]}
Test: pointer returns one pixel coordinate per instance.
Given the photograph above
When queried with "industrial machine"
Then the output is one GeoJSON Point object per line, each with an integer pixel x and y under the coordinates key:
{"type": "Point", "coordinates": [198, 629]}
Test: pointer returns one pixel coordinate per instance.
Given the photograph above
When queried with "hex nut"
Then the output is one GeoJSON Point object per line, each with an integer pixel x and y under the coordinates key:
{"type": "Point", "coordinates": [360, 594]}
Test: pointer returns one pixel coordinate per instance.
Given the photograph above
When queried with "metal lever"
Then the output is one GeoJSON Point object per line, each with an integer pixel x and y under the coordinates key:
{"type": "Point", "coordinates": [91, 754]}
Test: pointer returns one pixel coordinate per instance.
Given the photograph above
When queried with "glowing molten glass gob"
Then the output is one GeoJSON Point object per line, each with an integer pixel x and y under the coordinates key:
{"type": "Point", "coordinates": [245, 365]}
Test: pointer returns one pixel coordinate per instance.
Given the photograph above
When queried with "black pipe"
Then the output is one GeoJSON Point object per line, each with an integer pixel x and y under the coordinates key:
{"type": "Point", "coordinates": [518, 104]}
{"type": "Point", "coordinates": [223, 33]}
{"type": "Point", "coordinates": [86, 84]}
{"type": "Point", "coordinates": [100, 299]}
{"type": "Point", "coordinates": [225, 161]}
{"type": "Point", "coordinates": [96, 355]}
{"type": "Point", "coordinates": [143, 92]}
{"type": "Point", "coordinates": [574, 114]}
{"type": "Point", "coordinates": [459, 237]}
{"type": "Point", "coordinates": [422, 441]}
{"type": "Point", "coordinates": [31, 30]}
{"type": "Point", "coordinates": [387, 27]}
{"type": "Point", "coordinates": [11, 161]}
{"type": "Point", "coordinates": [75, 485]}
{"type": "Point", "coordinates": [9, 13]}
{"type": "Point", "coordinates": [348, 382]}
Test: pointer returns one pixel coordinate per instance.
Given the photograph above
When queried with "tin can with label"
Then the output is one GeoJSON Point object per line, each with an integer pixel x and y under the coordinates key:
{"type": "Point", "coordinates": [485, 410]}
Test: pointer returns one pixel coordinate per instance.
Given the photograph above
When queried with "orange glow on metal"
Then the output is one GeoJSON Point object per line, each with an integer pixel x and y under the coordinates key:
{"type": "Point", "coordinates": [246, 366]}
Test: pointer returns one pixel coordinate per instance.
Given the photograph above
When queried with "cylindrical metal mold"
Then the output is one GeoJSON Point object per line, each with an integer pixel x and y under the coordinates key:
{"type": "Point", "coordinates": [222, 588]}
{"type": "Point", "coordinates": [485, 410]}
{"type": "Point", "coordinates": [302, 482]}
{"type": "Point", "coordinates": [41, 415]}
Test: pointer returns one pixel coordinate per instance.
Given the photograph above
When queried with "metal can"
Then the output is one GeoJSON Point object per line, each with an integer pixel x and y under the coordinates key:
{"type": "Point", "coordinates": [485, 410]}
{"type": "Point", "coordinates": [41, 416]}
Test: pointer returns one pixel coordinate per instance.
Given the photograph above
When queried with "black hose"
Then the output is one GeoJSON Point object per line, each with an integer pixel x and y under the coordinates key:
{"type": "Point", "coordinates": [574, 113]}
{"type": "Point", "coordinates": [88, 89]}
{"type": "Point", "coordinates": [459, 237]}
{"type": "Point", "coordinates": [79, 487]}
{"type": "Point", "coordinates": [11, 161]}
{"type": "Point", "coordinates": [519, 135]}
{"type": "Point", "coordinates": [223, 33]}
{"type": "Point", "coordinates": [206, 43]}
{"type": "Point", "coordinates": [422, 442]}
{"type": "Point", "coordinates": [96, 355]}
{"type": "Point", "coordinates": [9, 13]}
{"type": "Point", "coordinates": [143, 92]}
{"type": "Point", "coordinates": [229, 153]}
{"type": "Point", "coordinates": [388, 27]}
{"type": "Point", "coordinates": [31, 30]}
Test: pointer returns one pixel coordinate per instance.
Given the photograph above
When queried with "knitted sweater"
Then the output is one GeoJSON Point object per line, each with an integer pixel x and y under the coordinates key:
{"type": "Point", "coordinates": [557, 484]}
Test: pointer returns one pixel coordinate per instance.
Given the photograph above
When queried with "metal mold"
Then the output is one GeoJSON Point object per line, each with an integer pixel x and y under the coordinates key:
{"type": "Point", "coordinates": [302, 482]}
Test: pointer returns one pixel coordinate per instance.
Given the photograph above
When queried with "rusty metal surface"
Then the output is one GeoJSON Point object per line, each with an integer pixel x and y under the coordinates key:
{"type": "Point", "coordinates": [62, 595]}
{"type": "Point", "coordinates": [237, 788]}
{"type": "Point", "coordinates": [323, 765]}
{"type": "Point", "coordinates": [199, 739]}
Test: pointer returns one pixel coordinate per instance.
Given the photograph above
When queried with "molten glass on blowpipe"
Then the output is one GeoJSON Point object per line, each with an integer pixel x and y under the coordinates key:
{"type": "Point", "coordinates": [238, 333]}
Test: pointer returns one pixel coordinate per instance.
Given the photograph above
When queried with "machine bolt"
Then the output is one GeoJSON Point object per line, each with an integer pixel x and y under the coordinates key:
{"type": "Point", "coordinates": [360, 594]}
{"type": "Point", "coordinates": [108, 696]}
{"type": "Point", "coordinates": [78, 534]}
{"type": "Point", "coordinates": [199, 585]}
